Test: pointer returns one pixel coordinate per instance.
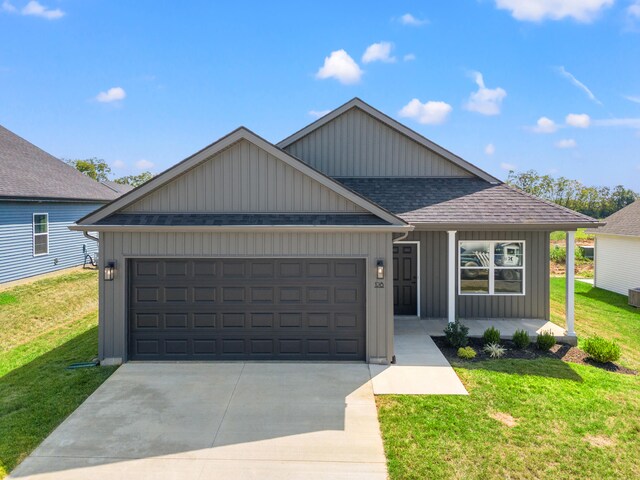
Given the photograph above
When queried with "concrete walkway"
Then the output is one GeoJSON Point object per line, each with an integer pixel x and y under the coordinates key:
{"type": "Point", "coordinates": [219, 421]}
{"type": "Point", "coordinates": [420, 368]}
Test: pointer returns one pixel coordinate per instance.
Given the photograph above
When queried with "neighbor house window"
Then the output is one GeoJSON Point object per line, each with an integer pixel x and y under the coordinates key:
{"type": "Point", "coordinates": [491, 268]}
{"type": "Point", "coordinates": [40, 233]}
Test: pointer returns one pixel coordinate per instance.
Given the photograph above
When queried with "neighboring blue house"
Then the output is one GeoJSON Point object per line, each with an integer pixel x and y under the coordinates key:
{"type": "Point", "coordinates": [40, 196]}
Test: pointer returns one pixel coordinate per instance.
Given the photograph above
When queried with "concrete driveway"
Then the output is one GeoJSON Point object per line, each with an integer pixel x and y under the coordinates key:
{"type": "Point", "coordinates": [219, 421]}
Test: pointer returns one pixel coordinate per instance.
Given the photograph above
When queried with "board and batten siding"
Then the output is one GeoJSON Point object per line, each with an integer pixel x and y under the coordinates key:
{"type": "Point", "coordinates": [120, 246]}
{"type": "Point", "coordinates": [357, 145]}
{"type": "Point", "coordinates": [433, 280]}
{"type": "Point", "coordinates": [243, 178]}
{"type": "Point", "coordinates": [617, 263]}
{"type": "Point", "coordinates": [16, 238]}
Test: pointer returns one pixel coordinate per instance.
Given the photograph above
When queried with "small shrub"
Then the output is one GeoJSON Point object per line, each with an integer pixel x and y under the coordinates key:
{"type": "Point", "coordinates": [457, 334]}
{"type": "Point", "coordinates": [521, 339]}
{"type": "Point", "coordinates": [558, 254]}
{"type": "Point", "coordinates": [491, 335]}
{"type": "Point", "coordinates": [602, 350]}
{"type": "Point", "coordinates": [495, 350]}
{"type": "Point", "coordinates": [466, 353]}
{"type": "Point", "coordinates": [545, 340]}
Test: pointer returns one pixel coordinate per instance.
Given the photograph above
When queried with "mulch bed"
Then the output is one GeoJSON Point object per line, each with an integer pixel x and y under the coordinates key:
{"type": "Point", "coordinates": [561, 351]}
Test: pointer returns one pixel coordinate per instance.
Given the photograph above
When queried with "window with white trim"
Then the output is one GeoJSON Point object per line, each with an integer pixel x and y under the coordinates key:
{"type": "Point", "coordinates": [40, 234]}
{"type": "Point", "coordinates": [491, 267]}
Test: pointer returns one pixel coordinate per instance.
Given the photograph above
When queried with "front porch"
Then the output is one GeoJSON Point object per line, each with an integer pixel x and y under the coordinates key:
{"type": "Point", "coordinates": [507, 327]}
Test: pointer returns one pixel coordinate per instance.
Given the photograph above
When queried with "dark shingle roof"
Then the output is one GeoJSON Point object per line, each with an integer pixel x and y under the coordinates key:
{"type": "Point", "coordinates": [225, 219]}
{"type": "Point", "coordinates": [26, 171]}
{"type": "Point", "coordinates": [623, 222]}
{"type": "Point", "coordinates": [459, 201]}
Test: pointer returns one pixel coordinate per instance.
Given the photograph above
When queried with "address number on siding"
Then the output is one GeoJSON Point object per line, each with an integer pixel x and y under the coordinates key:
{"type": "Point", "coordinates": [378, 285]}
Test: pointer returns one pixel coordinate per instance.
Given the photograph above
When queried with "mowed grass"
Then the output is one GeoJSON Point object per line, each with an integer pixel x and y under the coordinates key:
{"type": "Point", "coordinates": [32, 309]}
{"type": "Point", "coordinates": [527, 419]}
{"type": "Point", "coordinates": [37, 392]}
{"type": "Point", "coordinates": [600, 312]}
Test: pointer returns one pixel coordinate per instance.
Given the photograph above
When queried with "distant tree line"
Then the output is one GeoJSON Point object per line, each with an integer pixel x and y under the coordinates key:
{"type": "Point", "coordinates": [597, 202]}
{"type": "Point", "coordinates": [99, 170]}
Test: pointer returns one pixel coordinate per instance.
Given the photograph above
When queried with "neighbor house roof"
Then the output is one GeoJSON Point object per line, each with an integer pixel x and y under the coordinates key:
{"type": "Point", "coordinates": [623, 222]}
{"type": "Point", "coordinates": [27, 171]}
{"type": "Point", "coordinates": [391, 123]}
{"type": "Point", "coordinates": [462, 202]}
{"type": "Point", "coordinates": [118, 187]}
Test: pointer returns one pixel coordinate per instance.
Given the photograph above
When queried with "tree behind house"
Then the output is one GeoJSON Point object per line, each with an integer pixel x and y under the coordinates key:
{"type": "Point", "coordinates": [135, 180]}
{"type": "Point", "coordinates": [598, 202]}
{"type": "Point", "coordinates": [94, 167]}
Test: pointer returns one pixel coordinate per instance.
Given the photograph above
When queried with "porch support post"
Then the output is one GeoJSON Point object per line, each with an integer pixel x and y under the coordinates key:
{"type": "Point", "coordinates": [570, 274]}
{"type": "Point", "coordinates": [451, 274]}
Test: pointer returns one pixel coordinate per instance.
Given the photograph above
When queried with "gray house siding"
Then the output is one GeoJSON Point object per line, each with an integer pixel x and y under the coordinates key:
{"type": "Point", "coordinates": [244, 178]}
{"type": "Point", "coordinates": [120, 246]}
{"type": "Point", "coordinates": [357, 145]}
{"type": "Point", "coordinates": [433, 278]}
{"type": "Point", "coordinates": [66, 248]}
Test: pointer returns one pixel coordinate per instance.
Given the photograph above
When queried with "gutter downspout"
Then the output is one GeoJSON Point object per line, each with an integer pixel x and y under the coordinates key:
{"type": "Point", "coordinates": [401, 237]}
{"type": "Point", "coordinates": [91, 237]}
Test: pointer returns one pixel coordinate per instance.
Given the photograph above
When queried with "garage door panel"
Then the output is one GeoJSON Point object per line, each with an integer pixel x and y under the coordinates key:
{"type": "Point", "coordinates": [234, 309]}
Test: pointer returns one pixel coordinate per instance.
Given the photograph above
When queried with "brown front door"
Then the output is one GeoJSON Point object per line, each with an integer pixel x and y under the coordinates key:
{"type": "Point", "coordinates": [405, 279]}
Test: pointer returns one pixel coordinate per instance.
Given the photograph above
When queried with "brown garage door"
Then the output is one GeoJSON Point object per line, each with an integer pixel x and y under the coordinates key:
{"type": "Point", "coordinates": [235, 309]}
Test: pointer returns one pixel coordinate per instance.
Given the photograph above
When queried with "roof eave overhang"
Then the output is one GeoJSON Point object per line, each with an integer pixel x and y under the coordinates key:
{"type": "Point", "coordinates": [9, 198]}
{"type": "Point", "coordinates": [503, 226]}
{"type": "Point", "coordinates": [242, 228]}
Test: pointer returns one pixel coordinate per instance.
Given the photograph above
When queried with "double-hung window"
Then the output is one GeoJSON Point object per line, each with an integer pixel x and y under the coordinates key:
{"type": "Point", "coordinates": [491, 267]}
{"type": "Point", "coordinates": [40, 234]}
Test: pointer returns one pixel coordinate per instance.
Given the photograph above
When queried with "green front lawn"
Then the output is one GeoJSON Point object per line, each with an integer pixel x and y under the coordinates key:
{"type": "Point", "coordinates": [59, 316]}
{"type": "Point", "coordinates": [527, 419]}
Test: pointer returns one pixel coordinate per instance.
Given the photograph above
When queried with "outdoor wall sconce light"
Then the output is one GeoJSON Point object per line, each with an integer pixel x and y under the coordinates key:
{"type": "Point", "coordinates": [109, 271]}
{"type": "Point", "coordinates": [380, 269]}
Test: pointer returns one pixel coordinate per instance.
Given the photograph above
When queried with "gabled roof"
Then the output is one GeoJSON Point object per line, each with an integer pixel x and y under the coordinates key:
{"type": "Point", "coordinates": [27, 171]}
{"type": "Point", "coordinates": [624, 222]}
{"type": "Point", "coordinates": [390, 122]}
{"type": "Point", "coordinates": [225, 142]}
{"type": "Point", "coordinates": [465, 203]}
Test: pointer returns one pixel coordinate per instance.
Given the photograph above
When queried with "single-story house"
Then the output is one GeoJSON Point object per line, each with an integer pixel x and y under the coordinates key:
{"type": "Point", "coordinates": [308, 248]}
{"type": "Point", "coordinates": [617, 251]}
{"type": "Point", "coordinates": [40, 197]}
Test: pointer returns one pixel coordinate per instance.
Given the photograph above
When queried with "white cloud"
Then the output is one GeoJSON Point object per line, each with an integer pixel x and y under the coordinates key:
{"type": "Point", "coordinates": [562, 71]}
{"type": "Point", "coordinates": [318, 113]}
{"type": "Point", "coordinates": [429, 113]}
{"type": "Point", "coordinates": [144, 164]}
{"type": "Point", "coordinates": [578, 120]}
{"type": "Point", "coordinates": [408, 19]}
{"type": "Point", "coordinates": [486, 101]}
{"type": "Point", "coordinates": [111, 95]}
{"type": "Point", "coordinates": [633, 10]}
{"type": "Point", "coordinates": [633, 98]}
{"type": "Point", "coordinates": [342, 67]}
{"type": "Point", "coordinates": [545, 125]}
{"type": "Point", "coordinates": [539, 10]}
{"type": "Point", "coordinates": [409, 57]}
{"type": "Point", "coordinates": [490, 149]}
{"type": "Point", "coordinates": [566, 143]}
{"type": "Point", "coordinates": [378, 52]}
{"type": "Point", "coordinates": [37, 10]}
{"type": "Point", "coordinates": [508, 166]}
{"type": "Point", "coordinates": [7, 6]}
{"type": "Point", "coordinates": [118, 164]}
{"type": "Point", "coordinates": [618, 122]}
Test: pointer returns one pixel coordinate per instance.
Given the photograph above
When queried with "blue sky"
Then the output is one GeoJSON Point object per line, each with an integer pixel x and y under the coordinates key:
{"type": "Point", "coordinates": [552, 85]}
